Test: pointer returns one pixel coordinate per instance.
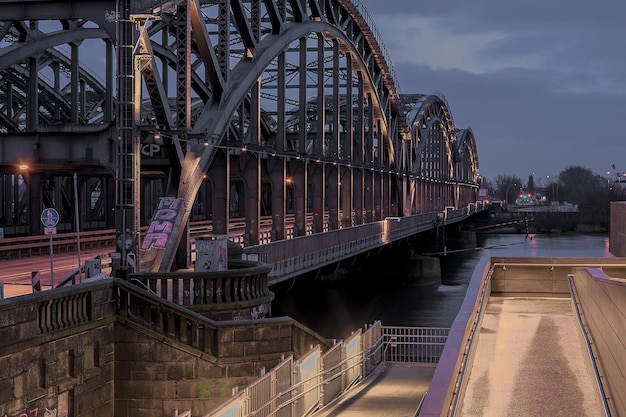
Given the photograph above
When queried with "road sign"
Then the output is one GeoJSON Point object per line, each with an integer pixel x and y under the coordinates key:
{"type": "Point", "coordinates": [49, 217]}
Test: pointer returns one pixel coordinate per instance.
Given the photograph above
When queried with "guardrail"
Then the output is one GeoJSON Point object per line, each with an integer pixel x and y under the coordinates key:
{"type": "Point", "coordinates": [18, 247]}
{"type": "Point", "coordinates": [24, 246]}
{"type": "Point", "coordinates": [588, 343]}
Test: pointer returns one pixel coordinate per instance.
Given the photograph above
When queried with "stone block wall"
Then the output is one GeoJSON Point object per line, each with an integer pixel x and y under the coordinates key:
{"type": "Point", "coordinates": [70, 352]}
{"type": "Point", "coordinates": [153, 376]}
{"type": "Point", "coordinates": [70, 376]}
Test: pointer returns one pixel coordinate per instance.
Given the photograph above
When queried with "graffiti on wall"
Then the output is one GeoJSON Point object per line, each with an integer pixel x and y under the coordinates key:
{"type": "Point", "coordinates": [164, 221]}
{"type": "Point", "coordinates": [34, 412]}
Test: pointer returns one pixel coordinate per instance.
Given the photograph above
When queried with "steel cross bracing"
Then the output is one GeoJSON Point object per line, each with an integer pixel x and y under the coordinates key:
{"type": "Point", "coordinates": [232, 109]}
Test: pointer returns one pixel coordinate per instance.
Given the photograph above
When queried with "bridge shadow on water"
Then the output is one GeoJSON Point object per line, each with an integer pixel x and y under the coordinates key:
{"type": "Point", "coordinates": [400, 289]}
{"type": "Point", "coordinates": [394, 288]}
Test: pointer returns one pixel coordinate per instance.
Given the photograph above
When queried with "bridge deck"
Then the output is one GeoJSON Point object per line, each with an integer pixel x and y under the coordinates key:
{"type": "Point", "coordinates": [394, 392]}
{"type": "Point", "coordinates": [531, 360]}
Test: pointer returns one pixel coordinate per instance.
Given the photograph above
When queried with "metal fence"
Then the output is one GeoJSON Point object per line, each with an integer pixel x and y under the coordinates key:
{"type": "Point", "coordinates": [414, 344]}
{"type": "Point", "coordinates": [297, 387]}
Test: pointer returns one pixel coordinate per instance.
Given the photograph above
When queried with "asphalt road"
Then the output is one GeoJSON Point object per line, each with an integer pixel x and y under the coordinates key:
{"type": "Point", "coordinates": [16, 274]}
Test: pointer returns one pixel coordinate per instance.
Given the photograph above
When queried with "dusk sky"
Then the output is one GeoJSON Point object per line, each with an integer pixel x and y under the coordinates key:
{"type": "Point", "coordinates": [542, 84]}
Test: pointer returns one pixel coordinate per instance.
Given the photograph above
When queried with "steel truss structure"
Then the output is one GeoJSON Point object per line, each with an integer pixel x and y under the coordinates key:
{"type": "Point", "coordinates": [287, 110]}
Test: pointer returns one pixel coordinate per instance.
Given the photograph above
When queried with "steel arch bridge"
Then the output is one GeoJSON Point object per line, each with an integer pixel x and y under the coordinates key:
{"type": "Point", "coordinates": [285, 114]}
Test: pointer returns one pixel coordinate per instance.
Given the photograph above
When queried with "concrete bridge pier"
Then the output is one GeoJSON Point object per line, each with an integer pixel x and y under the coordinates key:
{"type": "Point", "coordinates": [461, 239]}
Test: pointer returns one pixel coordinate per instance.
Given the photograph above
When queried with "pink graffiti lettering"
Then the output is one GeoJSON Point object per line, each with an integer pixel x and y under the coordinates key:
{"type": "Point", "coordinates": [165, 214]}
{"type": "Point", "coordinates": [31, 412]}
{"type": "Point", "coordinates": [156, 226]}
{"type": "Point", "coordinates": [170, 202]}
{"type": "Point", "coordinates": [158, 240]}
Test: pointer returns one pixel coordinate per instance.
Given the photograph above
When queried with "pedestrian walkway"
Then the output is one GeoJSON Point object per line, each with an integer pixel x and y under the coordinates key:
{"type": "Point", "coordinates": [531, 360]}
{"type": "Point", "coordinates": [395, 391]}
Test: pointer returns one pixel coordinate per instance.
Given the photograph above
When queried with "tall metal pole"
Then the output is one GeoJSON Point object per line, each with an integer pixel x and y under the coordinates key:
{"type": "Point", "coordinates": [76, 213]}
{"type": "Point", "coordinates": [51, 263]}
{"type": "Point", "coordinates": [125, 199]}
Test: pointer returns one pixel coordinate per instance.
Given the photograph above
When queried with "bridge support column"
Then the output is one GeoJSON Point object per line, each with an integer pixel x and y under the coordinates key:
{"type": "Point", "coordinates": [346, 196]}
{"type": "Point", "coordinates": [359, 208]}
{"type": "Point", "coordinates": [220, 180]}
{"type": "Point", "coordinates": [252, 176]}
{"type": "Point", "coordinates": [318, 185]}
{"type": "Point", "coordinates": [34, 203]}
{"type": "Point", "coordinates": [300, 181]}
{"type": "Point", "coordinates": [377, 209]}
{"type": "Point", "coordinates": [368, 195]}
{"type": "Point", "coordinates": [278, 181]}
{"type": "Point", "coordinates": [333, 185]}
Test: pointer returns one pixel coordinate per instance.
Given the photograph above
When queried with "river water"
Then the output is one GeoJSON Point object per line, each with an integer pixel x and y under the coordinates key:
{"type": "Point", "coordinates": [336, 308]}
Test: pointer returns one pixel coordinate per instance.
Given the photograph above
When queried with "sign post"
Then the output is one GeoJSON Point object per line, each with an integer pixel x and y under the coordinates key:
{"type": "Point", "coordinates": [49, 219]}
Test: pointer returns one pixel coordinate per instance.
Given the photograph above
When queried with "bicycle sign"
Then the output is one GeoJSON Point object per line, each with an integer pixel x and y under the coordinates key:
{"type": "Point", "coordinates": [49, 217]}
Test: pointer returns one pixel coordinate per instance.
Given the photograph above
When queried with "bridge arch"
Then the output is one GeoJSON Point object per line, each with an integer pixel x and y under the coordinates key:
{"type": "Point", "coordinates": [316, 163]}
{"type": "Point", "coordinates": [296, 100]}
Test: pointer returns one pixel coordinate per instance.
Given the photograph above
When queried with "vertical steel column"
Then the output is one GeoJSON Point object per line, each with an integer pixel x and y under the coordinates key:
{"type": "Point", "coordinates": [35, 206]}
{"type": "Point", "coordinates": [183, 103]}
{"type": "Point", "coordinates": [32, 97]}
{"type": "Point", "coordinates": [347, 149]}
{"type": "Point", "coordinates": [125, 206]}
{"type": "Point", "coordinates": [369, 161]}
{"type": "Point", "coordinates": [302, 96]}
{"type": "Point", "coordinates": [277, 167]}
{"type": "Point", "coordinates": [318, 171]}
{"type": "Point", "coordinates": [333, 171]}
{"type": "Point", "coordinates": [183, 68]}
{"type": "Point", "coordinates": [74, 84]}
{"type": "Point", "coordinates": [220, 183]}
{"type": "Point", "coordinates": [378, 174]}
{"type": "Point", "coordinates": [320, 139]}
{"type": "Point", "coordinates": [57, 87]}
{"type": "Point", "coordinates": [301, 166]}
{"type": "Point", "coordinates": [109, 99]}
{"type": "Point", "coordinates": [252, 169]}
{"type": "Point", "coordinates": [300, 178]}
{"type": "Point", "coordinates": [223, 38]}
{"type": "Point", "coordinates": [278, 180]}
{"type": "Point", "coordinates": [387, 204]}
{"type": "Point", "coordinates": [359, 152]}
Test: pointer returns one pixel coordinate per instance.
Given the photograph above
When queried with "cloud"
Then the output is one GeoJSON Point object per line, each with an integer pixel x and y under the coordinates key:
{"type": "Point", "coordinates": [541, 83]}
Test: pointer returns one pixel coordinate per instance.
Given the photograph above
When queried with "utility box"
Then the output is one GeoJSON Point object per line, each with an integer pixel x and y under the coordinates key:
{"type": "Point", "coordinates": [211, 253]}
{"type": "Point", "coordinates": [92, 267]}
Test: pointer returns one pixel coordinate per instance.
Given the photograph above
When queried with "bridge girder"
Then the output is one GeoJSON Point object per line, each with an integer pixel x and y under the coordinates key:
{"type": "Point", "coordinates": [295, 97]}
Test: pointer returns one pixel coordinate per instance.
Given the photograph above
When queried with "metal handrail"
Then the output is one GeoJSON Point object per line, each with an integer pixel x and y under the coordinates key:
{"type": "Point", "coordinates": [374, 351]}
{"type": "Point", "coordinates": [419, 407]}
{"type": "Point", "coordinates": [596, 371]}
{"type": "Point", "coordinates": [461, 378]}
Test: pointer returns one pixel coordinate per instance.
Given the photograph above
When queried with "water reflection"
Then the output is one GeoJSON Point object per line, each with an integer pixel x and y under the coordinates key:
{"type": "Point", "coordinates": [335, 309]}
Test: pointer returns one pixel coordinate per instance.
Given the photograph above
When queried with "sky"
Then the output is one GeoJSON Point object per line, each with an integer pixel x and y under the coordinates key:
{"type": "Point", "coordinates": [541, 83]}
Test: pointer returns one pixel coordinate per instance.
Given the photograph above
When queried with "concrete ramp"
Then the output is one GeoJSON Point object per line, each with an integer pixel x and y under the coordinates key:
{"type": "Point", "coordinates": [531, 360]}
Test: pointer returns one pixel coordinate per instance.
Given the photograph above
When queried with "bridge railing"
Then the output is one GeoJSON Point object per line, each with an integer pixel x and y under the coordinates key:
{"type": "Point", "coordinates": [243, 281]}
{"type": "Point", "coordinates": [302, 254]}
{"type": "Point", "coordinates": [295, 388]}
{"type": "Point", "coordinates": [21, 246]}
